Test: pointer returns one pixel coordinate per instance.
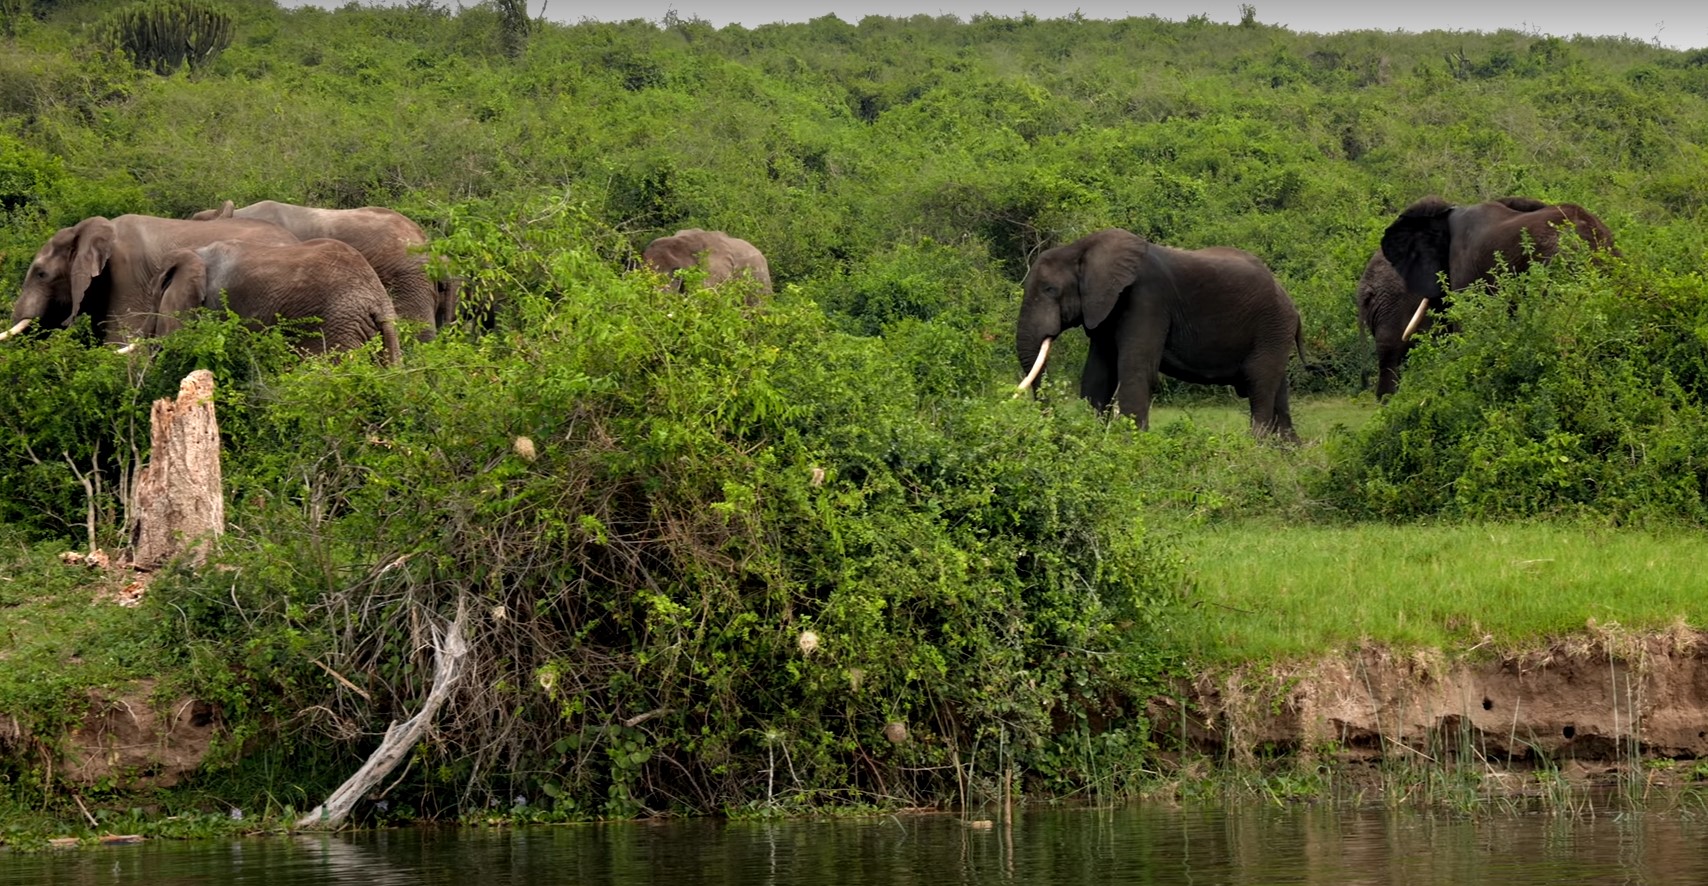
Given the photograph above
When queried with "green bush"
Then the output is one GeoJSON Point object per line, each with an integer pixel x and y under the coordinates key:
{"type": "Point", "coordinates": [1573, 391]}
{"type": "Point", "coordinates": [647, 500]}
{"type": "Point", "coordinates": [74, 417]}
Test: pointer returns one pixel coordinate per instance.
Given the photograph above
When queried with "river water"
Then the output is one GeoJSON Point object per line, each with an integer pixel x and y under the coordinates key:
{"type": "Point", "coordinates": [1140, 844]}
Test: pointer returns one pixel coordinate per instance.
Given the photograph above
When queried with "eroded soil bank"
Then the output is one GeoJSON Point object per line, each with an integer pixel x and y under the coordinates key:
{"type": "Point", "coordinates": [1602, 700]}
{"type": "Point", "coordinates": [1606, 696]}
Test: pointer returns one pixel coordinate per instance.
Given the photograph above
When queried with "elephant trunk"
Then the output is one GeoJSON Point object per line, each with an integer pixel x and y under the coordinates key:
{"type": "Point", "coordinates": [1416, 320]}
{"type": "Point", "coordinates": [1039, 324]}
{"type": "Point", "coordinates": [1037, 365]}
{"type": "Point", "coordinates": [32, 304]}
{"type": "Point", "coordinates": [17, 327]}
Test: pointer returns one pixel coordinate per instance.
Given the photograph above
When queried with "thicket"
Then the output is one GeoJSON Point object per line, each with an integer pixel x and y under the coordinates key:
{"type": "Point", "coordinates": [704, 482]}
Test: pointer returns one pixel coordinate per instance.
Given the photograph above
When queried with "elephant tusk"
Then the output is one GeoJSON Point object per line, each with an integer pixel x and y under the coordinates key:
{"type": "Point", "coordinates": [127, 348]}
{"type": "Point", "coordinates": [1037, 366]}
{"type": "Point", "coordinates": [17, 327]}
{"type": "Point", "coordinates": [1416, 320]}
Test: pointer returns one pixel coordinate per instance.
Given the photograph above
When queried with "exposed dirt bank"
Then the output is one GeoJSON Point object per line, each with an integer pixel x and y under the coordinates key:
{"type": "Point", "coordinates": [127, 740]}
{"type": "Point", "coordinates": [1604, 696]}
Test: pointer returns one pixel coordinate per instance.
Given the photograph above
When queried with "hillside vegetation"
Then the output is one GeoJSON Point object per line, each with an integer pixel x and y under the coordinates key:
{"type": "Point", "coordinates": [806, 553]}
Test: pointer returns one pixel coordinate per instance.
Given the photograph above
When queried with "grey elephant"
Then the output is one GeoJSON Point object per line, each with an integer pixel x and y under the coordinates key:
{"type": "Point", "coordinates": [390, 241]}
{"type": "Point", "coordinates": [321, 278]}
{"type": "Point", "coordinates": [1207, 316]}
{"type": "Point", "coordinates": [106, 268]}
{"type": "Point", "coordinates": [721, 256]}
{"type": "Point", "coordinates": [1432, 237]}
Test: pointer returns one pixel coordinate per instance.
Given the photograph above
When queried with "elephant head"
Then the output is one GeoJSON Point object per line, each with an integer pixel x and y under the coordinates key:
{"type": "Point", "coordinates": [104, 268]}
{"type": "Point", "coordinates": [1433, 238]}
{"type": "Point", "coordinates": [224, 210]}
{"type": "Point", "coordinates": [721, 256]}
{"type": "Point", "coordinates": [62, 274]}
{"type": "Point", "coordinates": [180, 286]}
{"type": "Point", "coordinates": [1207, 316]}
{"type": "Point", "coordinates": [1074, 285]}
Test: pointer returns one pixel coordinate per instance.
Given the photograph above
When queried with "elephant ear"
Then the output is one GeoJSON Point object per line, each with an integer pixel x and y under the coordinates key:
{"type": "Point", "coordinates": [176, 289]}
{"type": "Point", "coordinates": [224, 211]}
{"type": "Point", "coordinates": [1111, 263]}
{"type": "Point", "coordinates": [91, 249]}
{"type": "Point", "coordinates": [1416, 244]}
{"type": "Point", "coordinates": [1521, 204]}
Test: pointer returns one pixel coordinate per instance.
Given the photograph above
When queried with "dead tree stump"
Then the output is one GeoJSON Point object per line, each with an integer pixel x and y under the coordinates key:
{"type": "Point", "coordinates": [179, 507]}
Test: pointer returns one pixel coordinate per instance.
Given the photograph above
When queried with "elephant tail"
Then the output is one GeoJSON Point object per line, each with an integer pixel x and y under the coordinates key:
{"type": "Point", "coordinates": [1319, 368]}
{"type": "Point", "coordinates": [388, 336]}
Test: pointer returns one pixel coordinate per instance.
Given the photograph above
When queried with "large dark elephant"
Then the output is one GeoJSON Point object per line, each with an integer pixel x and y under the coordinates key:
{"type": "Point", "coordinates": [721, 256]}
{"type": "Point", "coordinates": [106, 267]}
{"type": "Point", "coordinates": [321, 278]}
{"type": "Point", "coordinates": [1208, 316]}
{"type": "Point", "coordinates": [1467, 243]}
{"type": "Point", "coordinates": [1385, 307]}
{"type": "Point", "coordinates": [392, 243]}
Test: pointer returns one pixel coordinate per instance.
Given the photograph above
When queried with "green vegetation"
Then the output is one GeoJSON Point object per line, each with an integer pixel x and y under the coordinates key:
{"type": "Point", "coordinates": [163, 35]}
{"type": "Point", "coordinates": [648, 502]}
{"type": "Point", "coordinates": [1261, 587]}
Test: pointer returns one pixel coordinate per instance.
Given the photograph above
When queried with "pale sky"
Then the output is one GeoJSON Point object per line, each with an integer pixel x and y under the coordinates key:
{"type": "Point", "coordinates": [1679, 24]}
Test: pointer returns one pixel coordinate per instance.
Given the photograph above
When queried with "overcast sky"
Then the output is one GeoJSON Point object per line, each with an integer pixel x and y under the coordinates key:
{"type": "Point", "coordinates": [1680, 24]}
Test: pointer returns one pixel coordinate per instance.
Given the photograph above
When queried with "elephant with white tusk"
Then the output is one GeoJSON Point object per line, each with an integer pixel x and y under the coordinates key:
{"type": "Point", "coordinates": [1432, 237]}
{"type": "Point", "coordinates": [1207, 316]}
{"type": "Point", "coordinates": [106, 267]}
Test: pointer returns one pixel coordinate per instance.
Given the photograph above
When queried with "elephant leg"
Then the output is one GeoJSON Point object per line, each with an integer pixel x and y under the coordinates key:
{"type": "Point", "coordinates": [1140, 359]}
{"type": "Point", "coordinates": [1388, 357]}
{"type": "Point", "coordinates": [1281, 422]}
{"type": "Point", "coordinates": [1097, 380]}
{"type": "Point", "coordinates": [1266, 379]}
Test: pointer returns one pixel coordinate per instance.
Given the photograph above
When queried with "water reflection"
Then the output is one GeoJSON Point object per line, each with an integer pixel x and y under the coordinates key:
{"type": "Point", "coordinates": [1144, 844]}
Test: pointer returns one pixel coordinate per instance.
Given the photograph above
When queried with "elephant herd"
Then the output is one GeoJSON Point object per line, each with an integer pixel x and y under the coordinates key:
{"type": "Point", "coordinates": [348, 274]}
{"type": "Point", "coordinates": [1208, 316]}
{"type": "Point", "coordinates": [1218, 315]}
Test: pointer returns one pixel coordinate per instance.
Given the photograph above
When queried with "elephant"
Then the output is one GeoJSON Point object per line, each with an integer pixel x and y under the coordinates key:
{"type": "Point", "coordinates": [1208, 316]}
{"type": "Point", "coordinates": [1384, 309]}
{"type": "Point", "coordinates": [322, 278]}
{"type": "Point", "coordinates": [1433, 236]}
{"type": "Point", "coordinates": [106, 267]}
{"type": "Point", "coordinates": [392, 243]}
{"type": "Point", "coordinates": [723, 257]}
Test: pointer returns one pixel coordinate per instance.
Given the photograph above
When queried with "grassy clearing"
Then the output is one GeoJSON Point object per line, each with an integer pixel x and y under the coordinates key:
{"type": "Point", "coordinates": [1279, 585]}
{"type": "Point", "coordinates": [59, 639]}
{"type": "Point", "coordinates": [1266, 591]}
{"type": "Point", "coordinates": [1313, 417]}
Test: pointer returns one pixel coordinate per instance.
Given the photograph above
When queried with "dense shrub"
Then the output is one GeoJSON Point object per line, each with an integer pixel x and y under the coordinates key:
{"type": "Point", "coordinates": [647, 501]}
{"type": "Point", "coordinates": [1572, 391]}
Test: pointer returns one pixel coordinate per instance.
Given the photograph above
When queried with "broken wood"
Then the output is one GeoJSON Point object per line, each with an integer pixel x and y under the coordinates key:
{"type": "Point", "coordinates": [179, 505]}
{"type": "Point", "coordinates": [449, 649]}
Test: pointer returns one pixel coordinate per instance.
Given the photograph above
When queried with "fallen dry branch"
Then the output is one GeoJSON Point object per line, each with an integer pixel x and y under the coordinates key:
{"type": "Point", "coordinates": [449, 650]}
